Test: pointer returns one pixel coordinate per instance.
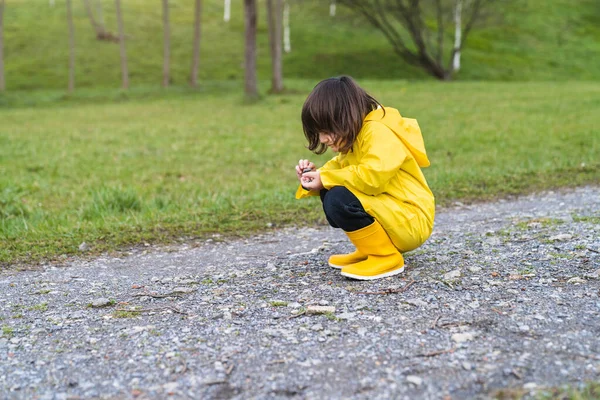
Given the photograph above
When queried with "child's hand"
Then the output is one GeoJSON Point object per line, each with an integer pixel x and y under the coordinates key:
{"type": "Point", "coordinates": [312, 181]}
{"type": "Point", "coordinates": [302, 165]}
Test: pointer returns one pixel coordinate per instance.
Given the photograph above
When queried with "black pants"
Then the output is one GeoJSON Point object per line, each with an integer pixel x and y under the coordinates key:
{"type": "Point", "coordinates": [343, 210]}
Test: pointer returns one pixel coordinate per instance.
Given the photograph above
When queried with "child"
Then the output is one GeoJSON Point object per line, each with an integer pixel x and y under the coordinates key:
{"type": "Point", "coordinates": [374, 188]}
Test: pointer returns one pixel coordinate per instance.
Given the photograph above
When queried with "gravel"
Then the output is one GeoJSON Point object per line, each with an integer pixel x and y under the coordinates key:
{"type": "Point", "coordinates": [504, 296]}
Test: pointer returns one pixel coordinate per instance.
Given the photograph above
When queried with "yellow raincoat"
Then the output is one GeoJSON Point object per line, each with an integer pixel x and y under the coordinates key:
{"type": "Point", "coordinates": [383, 171]}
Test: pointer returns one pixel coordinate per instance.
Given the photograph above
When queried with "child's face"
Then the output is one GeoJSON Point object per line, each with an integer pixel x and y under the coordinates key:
{"type": "Point", "coordinates": [330, 140]}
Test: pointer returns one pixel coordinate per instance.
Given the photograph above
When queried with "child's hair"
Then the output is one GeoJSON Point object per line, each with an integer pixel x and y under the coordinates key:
{"type": "Point", "coordinates": [336, 106]}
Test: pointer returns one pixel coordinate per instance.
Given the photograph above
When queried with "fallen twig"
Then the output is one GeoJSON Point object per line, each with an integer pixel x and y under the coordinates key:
{"type": "Point", "coordinates": [592, 250]}
{"type": "Point", "coordinates": [229, 369]}
{"type": "Point", "coordinates": [390, 291]}
{"type": "Point", "coordinates": [435, 322]}
{"type": "Point", "coordinates": [297, 315]}
{"type": "Point", "coordinates": [141, 310]}
{"type": "Point", "coordinates": [436, 353]}
{"type": "Point", "coordinates": [161, 296]}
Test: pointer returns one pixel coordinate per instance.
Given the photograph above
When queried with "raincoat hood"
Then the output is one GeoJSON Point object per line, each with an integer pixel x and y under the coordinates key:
{"type": "Point", "coordinates": [406, 129]}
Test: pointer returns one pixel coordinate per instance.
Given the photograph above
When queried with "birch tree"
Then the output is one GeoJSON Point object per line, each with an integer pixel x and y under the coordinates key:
{"type": "Point", "coordinates": [457, 35]}
{"type": "Point", "coordinates": [274, 23]}
{"type": "Point", "coordinates": [332, 8]}
{"type": "Point", "coordinates": [287, 44]}
{"type": "Point", "coordinates": [2, 81]}
{"type": "Point", "coordinates": [166, 44]}
{"type": "Point", "coordinates": [403, 24]}
{"type": "Point", "coordinates": [196, 50]}
{"type": "Point", "coordinates": [98, 27]}
{"type": "Point", "coordinates": [71, 46]}
{"type": "Point", "coordinates": [123, 50]}
{"type": "Point", "coordinates": [227, 10]}
{"type": "Point", "coordinates": [250, 12]}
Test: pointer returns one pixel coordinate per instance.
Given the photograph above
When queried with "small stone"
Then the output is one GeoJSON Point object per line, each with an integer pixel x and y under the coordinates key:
{"type": "Point", "coordinates": [101, 302]}
{"type": "Point", "coordinates": [170, 387]}
{"type": "Point", "coordinates": [530, 386]}
{"type": "Point", "coordinates": [467, 366]}
{"type": "Point", "coordinates": [462, 337]}
{"type": "Point", "coordinates": [84, 246]}
{"type": "Point", "coordinates": [346, 316]}
{"type": "Point", "coordinates": [561, 237]}
{"type": "Point", "coordinates": [576, 280]}
{"type": "Point", "coordinates": [594, 275]}
{"type": "Point", "coordinates": [474, 305]}
{"type": "Point", "coordinates": [323, 302]}
{"type": "Point", "coordinates": [448, 276]}
{"type": "Point", "coordinates": [524, 328]}
{"type": "Point", "coordinates": [415, 380]}
{"type": "Point", "coordinates": [416, 302]}
{"type": "Point", "coordinates": [474, 269]}
{"type": "Point", "coordinates": [316, 327]}
{"type": "Point", "coordinates": [320, 309]}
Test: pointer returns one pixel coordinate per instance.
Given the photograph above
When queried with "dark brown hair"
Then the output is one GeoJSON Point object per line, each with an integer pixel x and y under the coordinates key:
{"type": "Point", "coordinates": [336, 106]}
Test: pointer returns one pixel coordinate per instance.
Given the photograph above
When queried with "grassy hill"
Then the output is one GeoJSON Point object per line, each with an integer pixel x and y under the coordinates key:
{"type": "Point", "coordinates": [533, 40]}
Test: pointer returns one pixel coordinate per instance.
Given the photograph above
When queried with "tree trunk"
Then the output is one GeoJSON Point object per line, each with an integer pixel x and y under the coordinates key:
{"type": "Point", "coordinates": [332, 7]}
{"type": "Point", "coordinates": [287, 45]}
{"type": "Point", "coordinates": [166, 44]}
{"type": "Point", "coordinates": [71, 46]}
{"type": "Point", "coordinates": [51, 2]}
{"type": "Point", "coordinates": [196, 51]}
{"type": "Point", "coordinates": [227, 10]}
{"type": "Point", "coordinates": [251, 87]}
{"type": "Point", "coordinates": [457, 35]}
{"type": "Point", "coordinates": [100, 13]}
{"type": "Point", "coordinates": [2, 81]}
{"type": "Point", "coordinates": [124, 71]}
{"type": "Point", "coordinates": [274, 22]}
{"type": "Point", "coordinates": [98, 28]}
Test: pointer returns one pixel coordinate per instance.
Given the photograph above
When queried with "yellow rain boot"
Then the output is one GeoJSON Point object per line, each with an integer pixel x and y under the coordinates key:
{"type": "Point", "coordinates": [341, 260]}
{"type": "Point", "coordinates": [383, 258]}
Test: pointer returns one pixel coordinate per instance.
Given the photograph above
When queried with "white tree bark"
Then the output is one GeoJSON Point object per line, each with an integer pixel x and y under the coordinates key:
{"type": "Point", "coordinates": [166, 44]}
{"type": "Point", "coordinates": [287, 45]}
{"type": "Point", "coordinates": [99, 12]}
{"type": "Point", "coordinates": [227, 11]}
{"type": "Point", "coordinates": [2, 81]}
{"type": "Point", "coordinates": [123, 49]}
{"type": "Point", "coordinates": [457, 35]}
{"type": "Point", "coordinates": [197, 37]}
{"type": "Point", "coordinates": [332, 8]}
{"type": "Point", "coordinates": [52, 3]}
{"type": "Point", "coordinates": [71, 46]}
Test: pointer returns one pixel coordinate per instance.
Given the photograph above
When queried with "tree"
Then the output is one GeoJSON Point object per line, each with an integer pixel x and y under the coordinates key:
{"type": "Point", "coordinates": [166, 43]}
{"type": "Point", "coordinates": [71, 46]}
{"type": "Point", "coordinates": [250, 12]}
{"type": "Point", "coordinates": [227, 10]}
{"type": "Point", "coordinates": [287, 44]}
{"type": "Point", "coordinates": [196, 52]}
{"type": "Point", "coordinates": [2, 81]}
{"type": "Point", "coordinates": [123, 50]}
{"type": "Point", "coordinates": [410, 24]}
{"type": "Point", "coordinates": [274, 23]}
{"type": "Point", "coordinates": [98, 27]}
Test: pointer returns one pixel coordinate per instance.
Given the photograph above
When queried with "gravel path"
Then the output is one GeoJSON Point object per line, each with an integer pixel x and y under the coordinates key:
{"type": "Point", "coordinates": [504, 296]}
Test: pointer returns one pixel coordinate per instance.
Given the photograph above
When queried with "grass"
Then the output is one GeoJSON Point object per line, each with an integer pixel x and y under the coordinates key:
{"type": "Point", "coordinates": [189, 165]}
{"type": "Point", "coordinates": [532, 40]}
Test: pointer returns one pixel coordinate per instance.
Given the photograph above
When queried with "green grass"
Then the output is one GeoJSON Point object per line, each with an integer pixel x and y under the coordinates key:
{"type": "Point", "coordinates": [532, 40]}
{"type": "Point", "coordinates": [193, 164]}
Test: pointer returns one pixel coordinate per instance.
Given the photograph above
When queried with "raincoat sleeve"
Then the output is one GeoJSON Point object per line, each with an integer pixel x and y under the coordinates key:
{"type": "Point", "coordinates": [382, 155]}
{"type": "Point", "coordinates": [332, 164]}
